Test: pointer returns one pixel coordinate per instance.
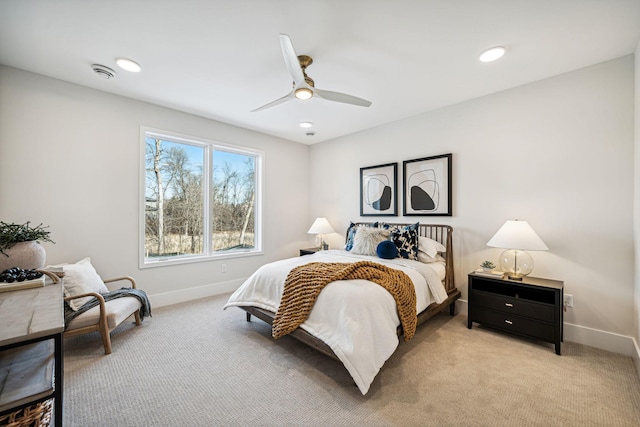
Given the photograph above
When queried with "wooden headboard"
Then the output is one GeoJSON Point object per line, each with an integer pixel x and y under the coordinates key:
{"type": "Point", "coordinates": [439, 233]}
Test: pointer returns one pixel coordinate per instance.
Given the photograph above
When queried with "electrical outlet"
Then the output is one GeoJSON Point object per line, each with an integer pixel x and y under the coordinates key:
{"type": "Point", "coordinates": [568, 300]}
{"type": "Point", "coordinates": [224, 268]}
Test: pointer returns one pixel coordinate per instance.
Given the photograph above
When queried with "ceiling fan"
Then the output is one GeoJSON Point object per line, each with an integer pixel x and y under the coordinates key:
{"type": "Point", "coordinates": [303, 85]}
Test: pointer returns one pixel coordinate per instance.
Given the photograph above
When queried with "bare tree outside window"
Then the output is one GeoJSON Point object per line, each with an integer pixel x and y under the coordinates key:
{"type": "Point", "coordinates": [233, 195]}
{"type": "Point", "coordinates": [176, 203]}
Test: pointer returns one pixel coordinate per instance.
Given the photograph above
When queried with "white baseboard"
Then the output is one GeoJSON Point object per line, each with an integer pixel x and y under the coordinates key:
{"type": "Point", "coordinates": [604, 340]}
{"type": "Point", "coordinates": [190, 294]}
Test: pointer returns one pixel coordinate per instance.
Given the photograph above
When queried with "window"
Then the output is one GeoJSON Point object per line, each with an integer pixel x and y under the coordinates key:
{"type": "Point", "coordinates": [201, 200]}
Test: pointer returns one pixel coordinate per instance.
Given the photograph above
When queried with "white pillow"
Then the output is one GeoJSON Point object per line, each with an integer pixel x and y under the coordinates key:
{"type": "Point", "coordinates": [367, 239]}
{"type": "Point", "coordinates": [429, 246]}
{"type": "Point", "coordinates": [80, 278]}
{"type": "Point", "coordinates": [424, 258]}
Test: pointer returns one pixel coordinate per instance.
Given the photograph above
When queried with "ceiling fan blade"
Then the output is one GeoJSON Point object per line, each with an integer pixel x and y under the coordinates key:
{"type": "Point", "coordinates": [341, 97]}
{"type": "Point", "coordinates": [276, 102]}
{"type": "Point", "coordinates": [291, 59]}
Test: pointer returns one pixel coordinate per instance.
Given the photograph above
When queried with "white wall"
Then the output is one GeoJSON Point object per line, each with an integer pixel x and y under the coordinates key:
{"type": "Point", "coordinates": [69, 158]}
{"type": "Point", "coordinates": [557, 153]}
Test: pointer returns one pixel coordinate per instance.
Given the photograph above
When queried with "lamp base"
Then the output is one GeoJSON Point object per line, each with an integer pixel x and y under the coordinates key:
{"type": "Point", "coordinates": [322, 246]}
{"type": "Point", "coordinates": [516, 263]}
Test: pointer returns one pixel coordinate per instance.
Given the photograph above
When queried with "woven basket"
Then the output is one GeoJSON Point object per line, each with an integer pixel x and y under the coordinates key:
{"type": "Point", "coordinates": [37, 415]}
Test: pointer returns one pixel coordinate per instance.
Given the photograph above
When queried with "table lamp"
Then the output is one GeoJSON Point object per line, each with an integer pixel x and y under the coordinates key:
{"type": "Point", "coordinates": [321, 227]}
{"type": "Point", "coordinates": [516, 237]}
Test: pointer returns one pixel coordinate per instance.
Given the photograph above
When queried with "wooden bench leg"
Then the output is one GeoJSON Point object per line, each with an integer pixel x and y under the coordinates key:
{"type": "Point", "coordinates": [452, 309]}
{"type": "Point", "coordinates": [137, 316]}
{"type": "Point", "coordinates": [106, 338]}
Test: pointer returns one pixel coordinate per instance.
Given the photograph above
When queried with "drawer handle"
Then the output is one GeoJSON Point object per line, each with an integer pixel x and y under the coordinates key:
{"type": "Point", "coordinates": [509, 322]}
{"type": "Point", "coordinates": [508, 304]}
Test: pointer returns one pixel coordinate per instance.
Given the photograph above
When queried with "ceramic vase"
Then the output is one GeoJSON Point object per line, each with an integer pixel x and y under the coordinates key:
{"type": "Point", "coordinates": [25, 255]}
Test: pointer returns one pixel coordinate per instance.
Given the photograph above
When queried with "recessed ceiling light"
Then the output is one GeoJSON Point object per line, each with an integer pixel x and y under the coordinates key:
{"type": "Point", "coordinates": [492, 54]}
{"type": "Point", "coordinates": [129, 65]}
{"type": "Point", "coordinates": [306, 124]}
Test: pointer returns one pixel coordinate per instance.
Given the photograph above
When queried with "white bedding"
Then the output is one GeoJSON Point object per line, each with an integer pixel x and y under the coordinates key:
{"type": "Point", "coordinates": [356, 318]}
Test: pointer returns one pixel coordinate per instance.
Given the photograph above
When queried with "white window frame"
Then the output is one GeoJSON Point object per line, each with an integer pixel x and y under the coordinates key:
{"type": "Point", "coordinates": [209, 146]}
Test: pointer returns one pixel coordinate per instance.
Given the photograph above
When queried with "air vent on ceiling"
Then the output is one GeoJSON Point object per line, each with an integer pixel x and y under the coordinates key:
{"type": "Point", "coordinates": [104, 72]}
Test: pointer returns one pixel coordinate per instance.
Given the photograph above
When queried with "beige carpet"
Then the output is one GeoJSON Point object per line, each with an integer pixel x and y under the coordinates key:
{"type": "Point", "coordinates": [194, 364]}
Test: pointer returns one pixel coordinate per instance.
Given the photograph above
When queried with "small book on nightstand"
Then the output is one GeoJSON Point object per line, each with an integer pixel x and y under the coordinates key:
{"type": "Point", "coordinates": [492, 273]}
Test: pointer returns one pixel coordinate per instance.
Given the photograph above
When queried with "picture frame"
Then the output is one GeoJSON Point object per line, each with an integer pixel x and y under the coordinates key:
{"type": "Point", "coordinates": [379, 190]}
{"type": "Point", "coordinates": [426, 189]}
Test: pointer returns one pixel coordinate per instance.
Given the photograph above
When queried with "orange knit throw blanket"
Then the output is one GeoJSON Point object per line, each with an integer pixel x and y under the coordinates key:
{"type": "Point", "coordinates": [304, 283]}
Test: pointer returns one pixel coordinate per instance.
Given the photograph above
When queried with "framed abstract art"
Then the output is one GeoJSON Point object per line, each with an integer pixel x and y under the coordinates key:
{"type": "Point", "coordinates": [427, 186]}
{"type": "Point", "coordinates": [378, 190]}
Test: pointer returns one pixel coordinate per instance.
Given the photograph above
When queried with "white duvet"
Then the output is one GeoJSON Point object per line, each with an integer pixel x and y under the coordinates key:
{"type": "Point", "coordinates": [356, 318]}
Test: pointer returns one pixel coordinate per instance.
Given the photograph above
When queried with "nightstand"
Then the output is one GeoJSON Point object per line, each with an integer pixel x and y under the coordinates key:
{"type": "Point", "coordinates": [531, 307]}
{"type": "Point", "coordinates": [308, 251]}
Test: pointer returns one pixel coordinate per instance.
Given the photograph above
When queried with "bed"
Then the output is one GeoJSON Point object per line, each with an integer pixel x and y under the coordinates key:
{"type": "Point", "coordinates": [356, 321]}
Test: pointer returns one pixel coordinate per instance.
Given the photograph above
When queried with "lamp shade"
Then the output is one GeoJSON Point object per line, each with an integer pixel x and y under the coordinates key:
{"type": "Point", "coordinates": [516, 234]}
{"type": "Point", "coordinates": [517, 237]}
{"type": "Point", "coordinates": [321, 226]}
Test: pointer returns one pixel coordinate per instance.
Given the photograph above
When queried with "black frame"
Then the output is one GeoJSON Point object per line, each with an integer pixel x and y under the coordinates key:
{"type": "Point", "coordinates": [387, 203]}
{"type": "Point", "coordinates": [425, 183]}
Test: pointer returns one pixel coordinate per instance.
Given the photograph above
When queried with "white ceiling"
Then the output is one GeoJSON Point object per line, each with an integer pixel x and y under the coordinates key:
{"type": "Point", "coordinates": [221, 59]}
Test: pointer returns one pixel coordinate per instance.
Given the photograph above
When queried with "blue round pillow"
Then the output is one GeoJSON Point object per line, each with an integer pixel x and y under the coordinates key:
{"type": "Point", "coordinates": [387, 250]}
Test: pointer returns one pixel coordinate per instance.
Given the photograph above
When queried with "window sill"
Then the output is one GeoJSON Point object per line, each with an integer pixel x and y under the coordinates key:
{"type": "Point", "coordinates": [189, 259]}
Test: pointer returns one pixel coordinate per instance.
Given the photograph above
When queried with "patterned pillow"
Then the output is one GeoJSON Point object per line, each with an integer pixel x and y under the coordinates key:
{"type": "Point", "coordinates": [406, 240]}
{"type": "Point", "coordinates": [351, 233]}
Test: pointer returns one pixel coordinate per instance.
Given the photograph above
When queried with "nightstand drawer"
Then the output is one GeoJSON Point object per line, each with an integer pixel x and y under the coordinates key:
{"type": "Point", "coordinates": [518, 306]}
{"type": "Point", "coordinates": [514, 323]}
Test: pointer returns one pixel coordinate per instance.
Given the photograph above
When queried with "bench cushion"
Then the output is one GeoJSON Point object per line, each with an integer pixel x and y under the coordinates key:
{"type": "Point", "coordinates": [117, 311]}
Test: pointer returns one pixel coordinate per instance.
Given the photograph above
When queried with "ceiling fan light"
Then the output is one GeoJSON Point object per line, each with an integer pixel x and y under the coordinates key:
{"type": "Point", "coordinates": [303, 93]}
{"type": "Point", "coordinates": [492, 54]}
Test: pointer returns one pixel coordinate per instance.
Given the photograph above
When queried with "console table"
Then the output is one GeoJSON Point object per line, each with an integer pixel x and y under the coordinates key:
{"type": "Point", "coordinates": [31, 357]}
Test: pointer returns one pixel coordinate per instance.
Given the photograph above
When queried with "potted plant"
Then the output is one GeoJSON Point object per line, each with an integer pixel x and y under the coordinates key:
{"type": "Point", "coordinates": [20, 245]}
{"type": "Point", "coordinates": [487, 266]}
